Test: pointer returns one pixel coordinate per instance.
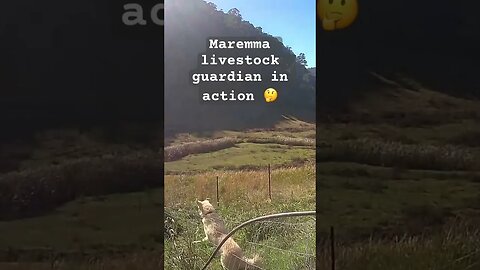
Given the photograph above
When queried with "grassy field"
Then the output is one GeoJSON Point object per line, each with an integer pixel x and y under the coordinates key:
{"type": "Point", "coordinates": [242, 156]}
{"type": "Point", "coordinates": [287, 243]}
{"type": "Point", "coordinates": [92, 200]}
{"type": "Point", "coordinates": [88, 233]}
{"type": "Point", "coordinates": [399, 179]}
{"type": "Point", "coordinates": [73, 199]}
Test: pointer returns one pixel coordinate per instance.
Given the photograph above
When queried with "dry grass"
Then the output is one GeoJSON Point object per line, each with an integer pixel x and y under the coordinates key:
{"type": "Point", "coordinates": [457, 246]}
{"type": "Point", "coordinates": [294, 125]}
{"type": "Point", "coordinates": [283, 140]}
{"type": "Point", "coordinates": [179, 151]}
{"type": "Point", "coordinates": [251, 185]}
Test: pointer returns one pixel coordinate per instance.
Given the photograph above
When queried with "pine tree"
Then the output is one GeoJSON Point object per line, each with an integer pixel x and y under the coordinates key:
{"type": "Point", "coordinates": [301, 59]}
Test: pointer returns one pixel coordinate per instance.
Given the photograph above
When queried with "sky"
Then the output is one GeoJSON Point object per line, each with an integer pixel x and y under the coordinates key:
{"type": "Point", "coordinates": [293, 20]}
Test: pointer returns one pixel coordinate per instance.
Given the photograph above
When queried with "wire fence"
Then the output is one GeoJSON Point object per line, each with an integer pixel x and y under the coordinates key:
{"type": "Point", "coordinates": [283, 231]}
{"type": "Point", "coordinates": [282, 241]}
{"type": "Point", "coordinates": [269, 173]}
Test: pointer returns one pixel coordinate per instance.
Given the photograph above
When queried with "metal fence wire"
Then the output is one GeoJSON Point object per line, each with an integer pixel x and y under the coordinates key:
{"type": "Point", "coordinates": [277, 241]}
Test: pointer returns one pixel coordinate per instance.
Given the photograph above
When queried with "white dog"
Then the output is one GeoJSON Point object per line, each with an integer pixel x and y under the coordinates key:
{"type": "Point", "coordinates": [231, 255]}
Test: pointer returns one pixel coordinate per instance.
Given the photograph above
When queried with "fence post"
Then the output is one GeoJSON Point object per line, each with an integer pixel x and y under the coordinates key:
{"type": "Point", "coordinates": [332, 246]}
{"type": "Point", "coordinates": [269, 183]}
{"type": "Point", "coordinates": [218, 194]}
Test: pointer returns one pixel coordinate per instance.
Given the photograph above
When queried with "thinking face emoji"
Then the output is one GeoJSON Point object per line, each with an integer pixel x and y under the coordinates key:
{"type": "Point", "coordinates": [337, 14]}
{"type": "Point", "coordinates": [270, 95]}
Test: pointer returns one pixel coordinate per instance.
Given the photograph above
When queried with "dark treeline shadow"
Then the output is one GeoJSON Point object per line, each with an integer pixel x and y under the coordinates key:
{"type": "Point", "coordinates": [70, 64]}
{"type": "Point", "coordinates": [434, 42]}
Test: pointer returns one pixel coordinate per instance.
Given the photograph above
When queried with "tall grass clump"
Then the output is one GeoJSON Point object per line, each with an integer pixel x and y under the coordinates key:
{"type": "Point", "coordinates": [34, 191]}
{"type": "Point", "coordinates": [176, 152]}
{"type": "Point", "coordinates": [394, 154]}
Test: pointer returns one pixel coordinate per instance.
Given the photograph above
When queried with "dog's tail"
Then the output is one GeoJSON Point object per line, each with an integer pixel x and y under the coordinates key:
{"type": "Point", "coordinates": [254, 262]}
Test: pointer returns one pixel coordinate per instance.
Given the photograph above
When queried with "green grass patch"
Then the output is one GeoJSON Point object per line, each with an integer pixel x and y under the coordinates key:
{"type": "Point", "coordinates": [361, 205]}
{"type": "Point", "coordinates": [91, 223]}
{"type": "Point", "coordinates": [244, 155]}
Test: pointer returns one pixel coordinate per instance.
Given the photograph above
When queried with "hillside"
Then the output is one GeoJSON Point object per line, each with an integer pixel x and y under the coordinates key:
{"type": "Point", "coordinates": [197, 21]}
{"type": "Point", "coordinates": [402, 101]}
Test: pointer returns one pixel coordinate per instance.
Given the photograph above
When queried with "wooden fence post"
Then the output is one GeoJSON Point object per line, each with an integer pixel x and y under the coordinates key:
{"type": "Point", "coordinates": [218, 194]}
{"type": "Point", "coordinates": [269, 182]}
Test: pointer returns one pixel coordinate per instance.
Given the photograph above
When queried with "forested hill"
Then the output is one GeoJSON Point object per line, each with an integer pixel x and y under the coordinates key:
{"type": "Point", "coordinates": [64, 64]}
{"type": "Point", "coordinates": [189, 25]}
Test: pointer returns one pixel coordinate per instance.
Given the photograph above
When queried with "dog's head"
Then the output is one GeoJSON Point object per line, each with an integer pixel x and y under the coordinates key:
{"type": "Point", "coordinates": [205, 207]}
